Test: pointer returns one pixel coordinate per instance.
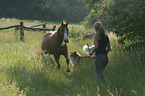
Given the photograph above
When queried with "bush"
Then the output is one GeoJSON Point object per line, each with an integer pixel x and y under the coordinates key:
{"type": "Point", "coordinates": [127, 18]}
{"type": "Point", "coordinates": [124, 17]}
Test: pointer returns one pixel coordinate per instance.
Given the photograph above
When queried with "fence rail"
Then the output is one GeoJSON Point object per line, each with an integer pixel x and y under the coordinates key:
{"type": "Point", "coordinates": [21, 27]}
{"type": "Point", "coordinates": [44, 25]}
{"type": "Point", "coordinates": [10, 27]}
{"type": "Point", "coordinates": [40, 29]}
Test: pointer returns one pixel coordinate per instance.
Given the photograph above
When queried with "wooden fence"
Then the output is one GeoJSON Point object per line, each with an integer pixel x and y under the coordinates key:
{"type": "Point", "coordinates": [21, 27]}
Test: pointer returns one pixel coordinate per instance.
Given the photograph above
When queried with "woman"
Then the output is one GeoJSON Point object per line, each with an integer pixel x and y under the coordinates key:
{"type": "Point", "coordinates": [102, 47]}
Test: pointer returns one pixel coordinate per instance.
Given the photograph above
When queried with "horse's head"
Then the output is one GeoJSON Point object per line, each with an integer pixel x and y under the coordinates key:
{"type": "Point", "coordinates": [64, 31]}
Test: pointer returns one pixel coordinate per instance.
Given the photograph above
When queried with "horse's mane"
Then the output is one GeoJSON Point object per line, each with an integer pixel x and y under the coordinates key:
{"type": "Point", "coordinates": [59, 37]}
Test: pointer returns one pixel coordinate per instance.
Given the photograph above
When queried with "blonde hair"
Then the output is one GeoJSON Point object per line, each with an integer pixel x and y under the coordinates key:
{"type": "Point", "coordinates": [99, 28]}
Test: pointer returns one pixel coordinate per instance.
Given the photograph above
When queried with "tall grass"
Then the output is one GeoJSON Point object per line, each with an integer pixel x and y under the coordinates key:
{"type": "Point", "coordinates": [24, 72]}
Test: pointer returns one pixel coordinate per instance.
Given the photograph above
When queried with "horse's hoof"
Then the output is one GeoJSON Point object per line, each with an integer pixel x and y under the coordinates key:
{"type": "Point", "coordinates": [68, 70]}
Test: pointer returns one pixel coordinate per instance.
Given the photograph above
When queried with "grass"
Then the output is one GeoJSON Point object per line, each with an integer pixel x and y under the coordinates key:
{"type": "Point", "coordinates": [24, 72]}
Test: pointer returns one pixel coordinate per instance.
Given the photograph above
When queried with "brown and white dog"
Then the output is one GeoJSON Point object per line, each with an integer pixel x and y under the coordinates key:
{"type": "Point", "coordinates": [75, 58]}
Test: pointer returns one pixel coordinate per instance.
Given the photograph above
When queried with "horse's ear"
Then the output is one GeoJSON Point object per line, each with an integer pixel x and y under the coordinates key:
{"type": "Point", "coordinates": [62, 23]}
{"type": "Point", "coordinates": [66, 23]}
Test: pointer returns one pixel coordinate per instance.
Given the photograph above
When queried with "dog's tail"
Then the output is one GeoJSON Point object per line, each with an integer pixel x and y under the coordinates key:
{"type": "Point", "coordinates": [86, 49]}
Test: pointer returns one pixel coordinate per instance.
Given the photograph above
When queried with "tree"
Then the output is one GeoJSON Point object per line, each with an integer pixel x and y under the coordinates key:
{"type": "Point", "coordinates": [51, 10]}
{"type": "Point", "coordinates": [127, 17]}
{"type": "Point", "coordinates": [124, 17]}
{"type": "Point", "coordinates": [92, 3]}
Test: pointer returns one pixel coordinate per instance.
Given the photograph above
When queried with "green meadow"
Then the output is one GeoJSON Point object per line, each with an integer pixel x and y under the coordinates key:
{"type": "Point", "coordinates": [25, 72]}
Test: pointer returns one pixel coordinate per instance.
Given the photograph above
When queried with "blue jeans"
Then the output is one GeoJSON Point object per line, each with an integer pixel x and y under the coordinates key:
{"type": "Point", "coordinates": [101, 60]}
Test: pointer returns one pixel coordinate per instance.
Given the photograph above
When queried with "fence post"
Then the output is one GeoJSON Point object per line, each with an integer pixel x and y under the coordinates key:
{"type": "Point", "coordinates": [44, 27]}
{"type": "Point", "coordinates": [21, 31]}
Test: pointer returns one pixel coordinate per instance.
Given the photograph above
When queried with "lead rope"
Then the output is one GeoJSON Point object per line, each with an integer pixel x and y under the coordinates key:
{"type": "Point", "coordinates": [92, 58]}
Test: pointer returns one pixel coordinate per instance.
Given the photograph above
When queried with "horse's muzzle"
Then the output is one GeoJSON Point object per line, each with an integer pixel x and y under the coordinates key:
{"type": "Point", "coordinates": [66, 40]}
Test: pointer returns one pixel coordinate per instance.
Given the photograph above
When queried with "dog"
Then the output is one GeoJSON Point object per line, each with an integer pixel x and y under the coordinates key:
{"type": "Point", "coordinates": [75, 58]}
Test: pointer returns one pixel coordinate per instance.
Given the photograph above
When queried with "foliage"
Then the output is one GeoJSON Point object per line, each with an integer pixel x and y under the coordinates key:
{"type": "Point", "coordinates": [98, 13]}
{"type": "Point", "coordinates": [92, 3]}
{"type": "Point", "coordinates": [127, 18]}
{"type": "Point", "coordinates": [51, 10]}
{"type": "Point", "coordinates": [124, 17]}
{"type": "Point", "coordinates": [25, 72]}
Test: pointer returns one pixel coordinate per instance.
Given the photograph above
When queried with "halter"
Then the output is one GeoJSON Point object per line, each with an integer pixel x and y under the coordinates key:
{"type": "Point", "coordinates": [65, 32]}
{"type": "Point", "coordinates": [66, 40]}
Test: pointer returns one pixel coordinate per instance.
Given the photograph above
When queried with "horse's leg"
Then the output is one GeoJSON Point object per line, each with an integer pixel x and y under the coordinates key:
{"type": "Point", "coordinates": [67, 61]}
{"type": "Point", "coordinates": [56, 56]}
{"type": "Point", "coordinates": [50, 58]}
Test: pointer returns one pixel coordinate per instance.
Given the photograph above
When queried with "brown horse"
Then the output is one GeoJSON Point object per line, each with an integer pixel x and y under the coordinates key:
{"type": "Point", "coordinates": [54, 42]}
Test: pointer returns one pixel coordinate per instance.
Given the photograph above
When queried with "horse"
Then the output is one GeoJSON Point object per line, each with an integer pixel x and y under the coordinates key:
{"type": "Point", "coordinates": [55, 43]}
